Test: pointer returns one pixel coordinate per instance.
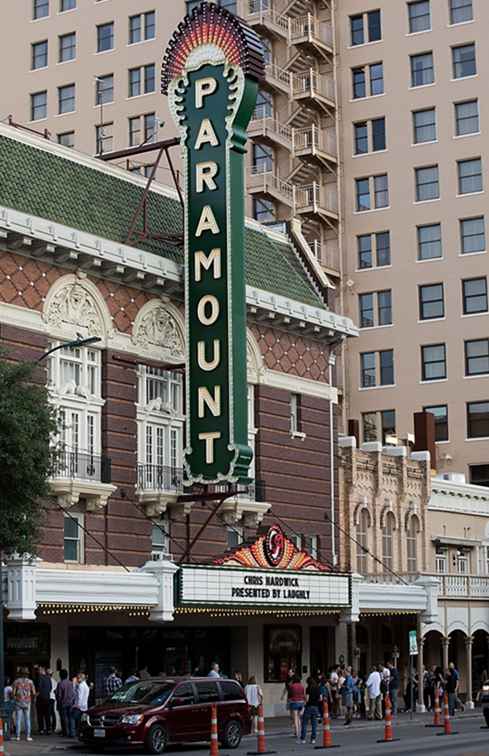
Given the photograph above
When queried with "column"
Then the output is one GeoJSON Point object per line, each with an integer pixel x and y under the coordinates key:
{"type": "Point", "coordinates": [341, 639]}
{"type": "Point", "coordinates": [420, 707]}
{"type": "Point", "coordinates": [446, 644]}
{"type": "Point", "coordinates": [468, 646]}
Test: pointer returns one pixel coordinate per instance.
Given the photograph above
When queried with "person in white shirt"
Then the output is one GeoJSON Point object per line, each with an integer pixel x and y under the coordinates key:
{"type": "Point", "coordinates": [80, 705]}
{"type": "Point", "coordinates": [374, 696]}
{"type": "Point", "coordinates": [214, 670]}
{"type": "Point", "coordinates": [254, 696]}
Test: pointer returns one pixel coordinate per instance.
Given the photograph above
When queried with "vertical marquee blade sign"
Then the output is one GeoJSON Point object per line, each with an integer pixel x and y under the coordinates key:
{"type": "Point", "coordinates": [211, 71]}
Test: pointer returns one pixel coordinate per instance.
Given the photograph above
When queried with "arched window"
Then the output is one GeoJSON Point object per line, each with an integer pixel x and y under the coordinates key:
{"type": "Point", "coordinates": [412, 531]}
{"type": "Point", "coordinates": [362, 541]}
{"type": "Point", "coordinates": [387, 540]}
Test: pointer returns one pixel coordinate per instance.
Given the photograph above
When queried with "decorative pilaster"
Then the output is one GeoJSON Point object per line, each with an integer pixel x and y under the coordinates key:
{"type": "Point", "coordinates": [468, 646]}
{"type": "Point", "coordinates": [420, 707]}
{"type": "Point", "coordinates": [446, 645]}
{"type": "Point", "coordinates": [21, 589]}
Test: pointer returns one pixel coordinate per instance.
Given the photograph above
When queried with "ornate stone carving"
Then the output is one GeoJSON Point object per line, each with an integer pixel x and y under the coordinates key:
{"type": "Point", "coordinates": [158, 328]}
{"type": "Point", "coordinates": [73, 305]}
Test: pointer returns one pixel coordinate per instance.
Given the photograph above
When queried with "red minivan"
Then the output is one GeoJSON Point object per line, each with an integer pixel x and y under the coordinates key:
{"type": "Point", "coordinates": [159, 711]}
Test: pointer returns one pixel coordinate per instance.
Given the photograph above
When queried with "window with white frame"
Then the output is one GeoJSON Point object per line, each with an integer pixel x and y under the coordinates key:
{"type": "Point", "coordinates": [412, 531]}
{"type": "Point", "coordinates": [160, 538]}
{"type": "Point", "coordinates": [73, 543]}
{"type": "Point", "coordinates": [387, 540]}
{"type": "Point", "coordinates": [234, 536]}
{"type": "Point", "coordinates": [362, 541]}
{"type": "Point", "coordinates": [75, 387]}
{"type": "Point", "coordinates": [160, 427]}
{"type": "Point", "coordinates": [441, 560]}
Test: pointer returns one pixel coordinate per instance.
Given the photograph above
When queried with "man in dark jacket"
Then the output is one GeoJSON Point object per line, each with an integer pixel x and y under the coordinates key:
{"type": "Point", "coordinates": [394, 684]}
{"type": "Point", "coordinates": [44, 686]}
{"type": "Point", "coordinates": [65, 698]}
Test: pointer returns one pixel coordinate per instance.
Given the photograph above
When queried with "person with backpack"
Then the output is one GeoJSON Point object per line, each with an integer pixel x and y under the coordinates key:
{"type": "Point", "coordinates": [24, 694]}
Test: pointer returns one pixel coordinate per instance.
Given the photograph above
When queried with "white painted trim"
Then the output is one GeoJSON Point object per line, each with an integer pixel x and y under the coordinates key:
{"type": "Point", "coordinates": [299, 385]}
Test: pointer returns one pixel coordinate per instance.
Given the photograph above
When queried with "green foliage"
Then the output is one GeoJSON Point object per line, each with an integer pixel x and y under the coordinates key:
{"type": "Point", "coordinates": [27, 421]}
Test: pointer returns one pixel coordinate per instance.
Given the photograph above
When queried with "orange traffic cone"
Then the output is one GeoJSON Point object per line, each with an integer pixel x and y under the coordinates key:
{"type": "Point", "coordinates": [327, 735]}
{"type": "Point", "coordinates": [261, 745]}
{"type": "Point", "coordinates": [388, 731]}
{"type": "Point", "coordinates": [447, 725]}
{"type": "Point", "coordinates": [214, 740]}
{"type": "Point", "coordinates": [436, 711]}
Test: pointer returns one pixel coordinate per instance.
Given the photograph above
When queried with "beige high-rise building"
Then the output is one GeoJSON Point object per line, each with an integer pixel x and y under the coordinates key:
{"type": "Point", "coordinates": [368, 129]}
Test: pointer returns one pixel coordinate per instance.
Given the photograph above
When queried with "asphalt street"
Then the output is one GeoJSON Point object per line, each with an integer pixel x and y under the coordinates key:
{"type": "Point", "coordinates": [360, 738]}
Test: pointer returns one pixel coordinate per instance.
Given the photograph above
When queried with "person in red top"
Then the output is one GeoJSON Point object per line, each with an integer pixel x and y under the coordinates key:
{"type": "Point", "coordinates": [297, 697]}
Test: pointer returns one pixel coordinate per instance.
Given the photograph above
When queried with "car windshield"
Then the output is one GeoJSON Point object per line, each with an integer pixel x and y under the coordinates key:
{"type": "Point", "coordinates": [149, 693]}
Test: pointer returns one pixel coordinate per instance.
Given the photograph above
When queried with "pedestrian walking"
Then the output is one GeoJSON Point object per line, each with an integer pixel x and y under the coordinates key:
{"type": "Point", "coordinates": [80, 706]}
{"type": "Point", "coordinates": [297, 697]}
{"type": "Point", "coordinates": [286, 695]}
{"type": "Point", "coordinates": [458, 702]}
{"type": "Point", "coordinates": [334, 679]}
{"type": "Point", "coordinates": [112, 682]}
{"type": "Point", "coordinates": [24, 695]}
{"type": "Point", "coordinates": [374, 695]}
{"type": "Point", "coordinates": [8, 709]}
{"type": "Point", "coordinates": [214, 670]}
{"type": "Point", "coordinates": [44, 686]}
{"type": "Point", "coordinates": [311, 710]}
{"type": "Point", "coordinates": [52, 702]}
{"type": "Point", "coordinates": [346, 692]}
{"type": "Point", "coordinates": [254, 696]}
{"type": "Point", "coordinates": [394, 684]}
{"type": "Point", "coordinates": [65, 698]}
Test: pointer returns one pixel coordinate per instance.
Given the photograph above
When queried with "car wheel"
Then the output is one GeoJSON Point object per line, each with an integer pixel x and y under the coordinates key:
{"type": "Point", "coordinates": [156, 739]}
{"type": "Point", "coordinates": [232, 734]}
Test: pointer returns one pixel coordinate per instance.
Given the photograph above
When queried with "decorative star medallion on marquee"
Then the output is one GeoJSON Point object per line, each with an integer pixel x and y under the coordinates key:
{"type": "Point", "coordinates": [273, 549]}
{"type": "Point", "coordinates": [211, 71]}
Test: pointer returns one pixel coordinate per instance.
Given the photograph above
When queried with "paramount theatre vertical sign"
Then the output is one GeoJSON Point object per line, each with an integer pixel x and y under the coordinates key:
{"type": "Point", "coordinates": [210, 72]}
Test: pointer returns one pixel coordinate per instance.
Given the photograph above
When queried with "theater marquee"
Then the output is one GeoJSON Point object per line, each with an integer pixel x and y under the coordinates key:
{"type": "Point", "coordinates": [210, 72]}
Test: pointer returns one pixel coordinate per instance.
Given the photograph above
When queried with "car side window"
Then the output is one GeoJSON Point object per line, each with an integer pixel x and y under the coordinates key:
{"type": "Point", "coordinates": [207, 692]}
{"type": "Point", "coordinates": [231, 691]}
{"type": "Point", "coordinates": [184, 695]}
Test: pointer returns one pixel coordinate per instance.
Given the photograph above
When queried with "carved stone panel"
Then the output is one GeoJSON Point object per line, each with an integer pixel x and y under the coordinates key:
{"type": "Point", "coordinates": [156, 327]}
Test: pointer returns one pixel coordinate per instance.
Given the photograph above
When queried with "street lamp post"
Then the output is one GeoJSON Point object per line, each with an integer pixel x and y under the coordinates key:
{"type": "Point", "coordinates": [75, 343]}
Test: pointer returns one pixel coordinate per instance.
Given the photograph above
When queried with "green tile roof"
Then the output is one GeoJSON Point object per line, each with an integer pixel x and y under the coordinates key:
{"type": "Point", "coordinates": [101, 203]}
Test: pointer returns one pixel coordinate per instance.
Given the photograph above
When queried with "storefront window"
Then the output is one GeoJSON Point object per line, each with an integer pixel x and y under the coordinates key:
{"type": "Point", "coordinates": [283, 647]}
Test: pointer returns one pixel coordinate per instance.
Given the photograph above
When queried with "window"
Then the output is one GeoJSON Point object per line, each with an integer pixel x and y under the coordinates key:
{"type": "Point", "coordinates": [429, 242]}
{"type": "Point", "coordinates": [39, 54]}
{"type": "Point", "coordinates": [284, 642]}
{"type": "Point", "coordinates": [104, 138]}
{"type": "Point", "coordinates": [67, 139]}
{"type": "Point", "coordinates": [234, 537]}
{"type": "Point", "coordinates": [295, 413]}
{"type": "Point", "coordinates": [368, 368]}
{"type": "Point", "coordinates": [66, 5]}
{"type": "Point", "coordinates": [377, 142]}
{"type": "Point", "coordinates": [262, 158]}
{"type": "Point", "coordinates": [477, 357]}
{"type": "Point", "coordinates": [469, 176]}
{"type": "Point", "coordinates": [263, 210]}
{"type": "Point", "coordinates": [375, 84]}
{"type": "Point", "coordinates": [142, 129]}
{"type": "Point", "coordinates": [424, 125]}
{"type": "Point", "coordinates": [383, 300]}
{"type": "Point", "coordinates": [66, 98]}
{"type": "Point", "coordinates": [362, 541]}
{"type": "Point", "coordinates": [422, 69]}
{"type": "Point", "coordinates": [365, 27]}
{"type": "Point", "coordinates": [431, 302]}
{"type": "Point", "coordinates": [441, 560]}
{"type": "Point", "coordinates": [73, 541]}
{"type": "Point", "coordinates": [104, 89]}
{"type": "Point", "coordinates": [467, 117]}
{"type": "Point", "coordinates": [207, 691]}
{"type": "Point", "coordinates": [478, 419]}
{"type": "Point", "coordinates": [376, 73]}
{"type": "Point", "coordinates": [427, 183]}
{"type": "Point", "coordinates": [419, 16]}
{"type": "Point", "coordinates": [39, 105]}
{"type": "Point", "coordinates": [378, 425]}
{"type": "Point", "coordinates": [67, 47]}
{"type": "Point", "coordinates": [374, 250]}
{"type": "Point", "coordinates": [105, 37]}
{"type": "Point", "coordinates": [160, 538]}
{"type": "Point", "coordinates": [142, 80]}
{"type": "Point", "coordinates": [373, 185]}
{"type": "Point", "coordinates": [433, 362]}
{"type": "Point", "coordinates": [412, 531]}
{"type": "Point", "coordinates": [40, 8]}
{"type": "Point", "coordinates": [359, 83]}
{"type": "Point", "coordinates": [472, 235]}
{"type": "Point", "coordinates": [463, 60]}
{"type": "Point", "coordinates": [267, 50]}
{"type": "Point", "coordinates": [366, 307]}
{"type": "Point", "coordinates": [142, 27]}
{"type": "Point", "coordinates": [461, 11]}
{"type": "Point", "coordinates": [474, 293]}
{"type": "Point", "coordinates": [264, 105]}
{"type": "Point", "coordinates": [479, 476]}
{"type": "Point", "coordinates": [184, 695]}
{"type": "Point", "coordinates": [387, 540]}
{"type": "Point", "coordinates": [229, 5]}
{"type": "Point", "coordinates": [440, 411]}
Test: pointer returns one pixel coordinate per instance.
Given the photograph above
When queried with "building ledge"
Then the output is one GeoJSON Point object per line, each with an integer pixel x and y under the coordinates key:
{"type": "Point", "coordinates": [68, 491]}
{"type": "Point", "coordinates": [241, 510]}
{"type": "Point", "coordinates": [156, 502]}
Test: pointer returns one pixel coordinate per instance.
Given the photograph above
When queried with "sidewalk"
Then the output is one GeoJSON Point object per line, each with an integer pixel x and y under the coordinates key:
{"type": "Point", "coordinates": [275, 727]}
